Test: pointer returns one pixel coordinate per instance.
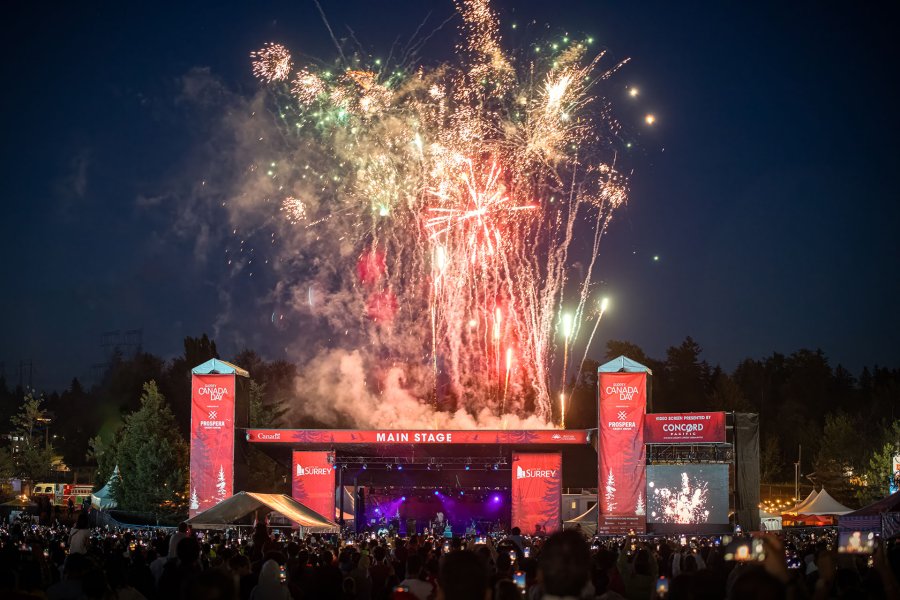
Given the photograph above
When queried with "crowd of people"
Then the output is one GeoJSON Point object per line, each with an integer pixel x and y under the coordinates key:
{"type": "Point", "coordinates": [80, 562]}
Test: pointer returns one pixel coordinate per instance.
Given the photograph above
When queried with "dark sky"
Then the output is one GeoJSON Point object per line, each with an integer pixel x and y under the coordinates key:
{"type": "Point", "coordinates": [767, 188]}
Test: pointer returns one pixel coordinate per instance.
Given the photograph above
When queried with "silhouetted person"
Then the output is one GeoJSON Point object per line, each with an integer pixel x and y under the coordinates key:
{"type": "Point", "coordinates": [463, 576]}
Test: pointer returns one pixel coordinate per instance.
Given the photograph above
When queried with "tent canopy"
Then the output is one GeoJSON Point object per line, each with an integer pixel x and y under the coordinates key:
{"type": "Point", "coordinates": [824, 504]}
{"type": "Point", "coordinates": [587, 521]}
{"type": "Point", "coordinates": [885, 505]}
{"type": "Point", "coordinates": [623, 363]}
{"type": "Point", "coordinates": [102, 498]}
{"type": "Point", "coordinates": [796, 509]}
{"type": "Point", "coordinates": [244, 503]}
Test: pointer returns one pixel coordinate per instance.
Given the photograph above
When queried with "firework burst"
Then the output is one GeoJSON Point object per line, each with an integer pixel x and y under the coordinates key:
{"type": "Point", "coordinates": [450, 198]}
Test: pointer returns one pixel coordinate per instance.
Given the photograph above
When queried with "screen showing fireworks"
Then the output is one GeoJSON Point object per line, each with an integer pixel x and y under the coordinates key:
{"type": "Point", "coordinates": [689, 494]}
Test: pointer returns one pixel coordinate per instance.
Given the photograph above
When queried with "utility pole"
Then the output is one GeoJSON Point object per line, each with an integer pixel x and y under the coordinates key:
{"type": "Point", "coordinates": [797, 473]}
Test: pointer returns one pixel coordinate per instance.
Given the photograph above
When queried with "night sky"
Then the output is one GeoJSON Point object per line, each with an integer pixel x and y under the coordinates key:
{"type": "Point", "coordinates": [767, 187]}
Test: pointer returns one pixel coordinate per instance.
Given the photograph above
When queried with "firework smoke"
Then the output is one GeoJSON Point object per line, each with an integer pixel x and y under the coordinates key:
{"type": "Point", "coordinates": [425, 218]}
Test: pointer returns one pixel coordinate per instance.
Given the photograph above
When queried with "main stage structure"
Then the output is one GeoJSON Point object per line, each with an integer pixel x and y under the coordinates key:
{"type": "Point", "coordinates": [652, 472]}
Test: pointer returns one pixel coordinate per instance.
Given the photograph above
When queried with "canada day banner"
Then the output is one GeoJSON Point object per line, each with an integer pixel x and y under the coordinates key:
{"type": "Point", "coordinates": [536, 491]}
{"type": "Point", "coordinates": [212, 441]}
{"type": "Point", "coordinates": [312, 481]}
{"type": "Point", "coordinates": [622, 462]}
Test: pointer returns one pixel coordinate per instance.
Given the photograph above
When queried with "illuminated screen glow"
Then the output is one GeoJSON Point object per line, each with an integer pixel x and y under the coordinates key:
{"type": "Point", "coordinates": [687, 494]}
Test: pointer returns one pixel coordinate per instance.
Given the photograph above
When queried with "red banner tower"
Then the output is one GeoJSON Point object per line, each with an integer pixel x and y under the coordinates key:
{"type": "Point", "coordinates": [622, 459]}
{"type": "Point", "coordinates": [213, 390]}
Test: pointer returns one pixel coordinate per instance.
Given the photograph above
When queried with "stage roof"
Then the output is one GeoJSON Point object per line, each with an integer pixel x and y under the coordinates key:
{"type": "Point", "coordinates": [389, 437]}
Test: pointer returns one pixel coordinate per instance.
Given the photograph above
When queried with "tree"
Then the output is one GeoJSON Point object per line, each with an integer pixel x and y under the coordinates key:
{"type": "Point", "coordinates": [7, 464]}
{"type": "Point", "coordinates": [687, 377]}
{"type": "Point", "coordinates": [103, 449]}
{"type": "Point", "coordinates": [152, 457]}
{"type": "Point", "coordinates": [265, 473]}
{"type": "Point", "coordinates": [771, 464]}
{"type": "Point", "coordinates": [838, 459]}
{"type": "Point", "coordinates": [878, 468]}
{"type": "Point", "coordinates": [33, 455]}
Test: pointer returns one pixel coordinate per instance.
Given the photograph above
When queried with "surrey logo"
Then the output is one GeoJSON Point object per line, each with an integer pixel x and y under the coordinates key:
{"type": "Point", "coordinates": [301, 470]}
{"type": "Point", "coordinates": [622, 415]}
{"type": "Point", "coordinates": [528, 473]}
{"type": "Point", "coordinates": [213, 414]}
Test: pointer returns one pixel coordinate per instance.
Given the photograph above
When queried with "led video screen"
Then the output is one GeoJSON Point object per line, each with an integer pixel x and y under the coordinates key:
{"type": "Point", "coordinates": [688, 494]}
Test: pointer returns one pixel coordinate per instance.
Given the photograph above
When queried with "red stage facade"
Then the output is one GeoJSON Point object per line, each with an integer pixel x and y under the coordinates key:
{"type": "Point", "coordinates": [338, 437]}
{"type": "Point", "coordinates": [312, 480]}
{"type": "Point", "coordinates": [536, 491]}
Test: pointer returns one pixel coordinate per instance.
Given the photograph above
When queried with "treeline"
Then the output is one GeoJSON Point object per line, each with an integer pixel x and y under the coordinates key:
{"type": "Point", "coordinates": [136, 417]}
{"type": "Point", "coordinates": [845, 422]}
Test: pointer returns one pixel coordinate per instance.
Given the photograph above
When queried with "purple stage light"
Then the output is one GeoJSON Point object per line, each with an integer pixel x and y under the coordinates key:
{"type": "Point", "coordinates": [437, 493]}
{"type": "Point", "coordinates": [399, 467]}
{"type": "Point", "coordinates": [496, 498]}
{"type": "Point", "coordinates": [402, 498]}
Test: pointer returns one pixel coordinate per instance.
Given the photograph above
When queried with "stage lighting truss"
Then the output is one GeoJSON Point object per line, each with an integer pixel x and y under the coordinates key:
{"type": "Point", "coordinates": [679, 454]}
{"type": "Point", "coordinates": [423, 463]}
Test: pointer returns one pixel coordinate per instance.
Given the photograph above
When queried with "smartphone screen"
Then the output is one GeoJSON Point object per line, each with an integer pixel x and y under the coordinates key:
{"type": "Point", "coordinates": [519, 579]}
{"type": "Point", "coordinates": [662, 586]}
{"type": "Point", "coordinates": [527, 552]}
{"type": "Point", "coordinates": [856, 542]}
{"type": "Point", "coordinates": [745, 550]}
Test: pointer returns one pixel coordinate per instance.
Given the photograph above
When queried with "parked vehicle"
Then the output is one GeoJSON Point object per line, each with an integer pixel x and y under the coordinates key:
{"type": "Point", "coordinates": [60, 493]}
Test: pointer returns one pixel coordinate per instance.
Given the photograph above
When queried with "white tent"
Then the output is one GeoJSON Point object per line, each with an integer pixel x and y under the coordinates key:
{"type": "Point", "coordinates": [796, 509]}
{"type": "Point", "coordinates": [102, 498]}
{"type": "Point", "coordinates": [230, 510]}
{"type": "Point", "coordinates": [824, 504]}
{"type": "Point", "coordinates": [587, 521]}
{"type": "Point", "coordinates": [768, 521]}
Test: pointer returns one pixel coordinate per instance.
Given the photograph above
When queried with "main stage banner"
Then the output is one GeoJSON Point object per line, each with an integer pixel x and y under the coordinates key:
{"type": "Point", "coordinates": [536, 491]}
{"type": "Point", "coordinates": [212, 441]}
{"type": "Point", "coordinates": [312, 481]}
{"type": "Point", "coordinates": [622, 460]}
{"type": "Point", "coordinates": [683, 428]}
{"type": "Point", "coordinates": [395, 436]}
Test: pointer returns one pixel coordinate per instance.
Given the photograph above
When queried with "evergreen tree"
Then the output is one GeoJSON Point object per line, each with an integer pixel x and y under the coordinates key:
{"type": "Point", "coordinates": [102, 449]}
{"type": "Point", "coordinates": [878, 469]}
{"type": "Point", "coordinates": [152, 457]}
{"type": "Point", "coordinates": [34, 455]}
{"type": "Point", "coordinates": [265, 473]}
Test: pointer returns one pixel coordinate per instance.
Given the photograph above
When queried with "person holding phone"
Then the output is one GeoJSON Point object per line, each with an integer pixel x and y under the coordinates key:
{"type": "Point", "coordinates": [564, 566]}
{"type": "Point", "coordinates": [639, 574]}
{"type": "Point", "coordinates": [416, 582]}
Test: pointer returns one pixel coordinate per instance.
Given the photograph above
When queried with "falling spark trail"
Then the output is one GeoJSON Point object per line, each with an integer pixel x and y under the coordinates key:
{"type": "Point", "coordinates": [439, 210]}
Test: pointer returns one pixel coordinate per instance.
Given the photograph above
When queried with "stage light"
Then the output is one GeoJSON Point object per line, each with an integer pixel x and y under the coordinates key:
{"type": "Point", "coordinates": [378, 510]}
{"type": "Point", "coordinates": [437, 493]}
{"type": "Point", "coordinates": [402, 498]}
{"type": "Point", "coordinates": [399, 467]}
{"type": "Point", "coordinates": [365, 466]}
{"type": "Point", "coordinates": [496, 466]}
{"type": "Point", "coordinates": [468, 467]}
{"type": "Point", "coordinates": [496, 499]}
{"type": "Point", "coordinates": [388, 467]}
